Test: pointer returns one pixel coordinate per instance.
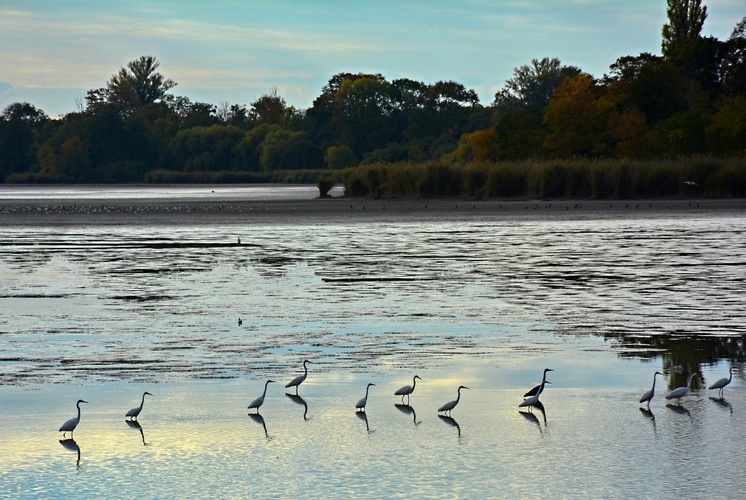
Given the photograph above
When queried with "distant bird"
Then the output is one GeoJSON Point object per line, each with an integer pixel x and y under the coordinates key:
{"type": "Point", "coordinates": [260, 400]}
{"type": "Point", "coordinates": [239, 240]}
{"type": "Point", "coordinates": [240, 322]}
{"type": "Point", "coordinates": [300, 378]}
{"type": "Point", "coordinates": [648, 396]}
{"type": "Point", "coordinates": [691, 183]}
{"type": "Point", "coordinates": [407, 389]}
{"type": "Point", "coordinates": [361, 404]}
{"type": "Point", "coordinates": [680, 392]}
{"type": "Point", "coordinates": [452, 404]}
{"type": "Point", "coordinates": [71, 424]}
{"type": "Point", "coordinates": [134, 412]}
{"type": "Point", "coordinates": [720, 384]}
{"type": "Point", "coordinates": [539, 387]}
{"type": "Point", "coordinates": [678, 369]}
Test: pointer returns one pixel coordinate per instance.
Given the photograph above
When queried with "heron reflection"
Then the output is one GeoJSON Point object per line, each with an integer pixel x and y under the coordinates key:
{"type": "Point", "coordinates": [256, 417]}
{"type": "Point", "coordinates": [134, 424]}
{"type": "Point", "coordinates": [451, 421]}
{"type": "Point", "coordinates": [681, 410]}
{"type": "Point", "coordinates": [299, 400]}
{"type": "Point", "coordinates": [70, 445]}
{"type": "Point", "coordinates": [722, 403]}
{"type": "Point", "coordinates": [648, 413]}
{"type": "Point", "coordinates": [409, 410]}
{"type": "Point", "coordinates": [364, 417]}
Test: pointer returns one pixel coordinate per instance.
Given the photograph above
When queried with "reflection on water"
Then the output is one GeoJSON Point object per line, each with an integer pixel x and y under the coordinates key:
{"type": "Point", "coordinates": [92, 311]}
{"type": "Point", "coordinates": [299, 400]}
{"type": "Point", "coordinates": [134, 424]}
{"type": "Point", "coordinates": [452, 422]}
{"type": "Point", "coordinates": [409, 410]}
{"type": "Point", "coordinates": [71, 445]}
{"type": "Point", "coordinates": [259, 420]}
{"type": "Point", "coordinates": [364, 417]}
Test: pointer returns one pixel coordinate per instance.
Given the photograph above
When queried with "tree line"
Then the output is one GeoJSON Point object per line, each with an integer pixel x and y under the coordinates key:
{"type": "Point", "coordinates": [688, 101]}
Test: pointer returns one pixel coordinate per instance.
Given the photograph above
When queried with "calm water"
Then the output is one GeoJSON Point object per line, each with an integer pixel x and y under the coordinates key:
{"type": "Point", "coordinates": [104, 313]}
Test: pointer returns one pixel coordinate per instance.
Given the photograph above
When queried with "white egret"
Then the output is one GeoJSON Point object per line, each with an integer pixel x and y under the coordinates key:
{"type": "Point", "coordinates": [678, 369]}
{"type": "Point", "coordinates": [134, 412]}
{"type": "Point", "coordinates": [300, 378]}
{"type": "Point", "coordinates": [71, 424]}
{"type": "Point", "coordinates": [720, 384]}
{"type": "Point", "coordinates": [260, 400]}
{"type": "Point", "coordinates": [648, 396]}
{"type": "Point", "coordinates": [452, 404]}
{"type": "Point", "coordinates": [361, 404]}
{"type": "Point", "coordinates": [407, 389]}
{"type": "Point", "coordinates": [544, 380]}
{"type": "Point", "coordinates": [680, 392]}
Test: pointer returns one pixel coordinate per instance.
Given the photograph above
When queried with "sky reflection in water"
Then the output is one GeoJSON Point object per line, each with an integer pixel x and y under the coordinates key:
{"type": "Point", "coordinates": [106, 313]}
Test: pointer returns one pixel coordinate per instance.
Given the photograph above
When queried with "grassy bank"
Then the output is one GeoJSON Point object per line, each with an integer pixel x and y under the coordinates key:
{"type": "Point", "coordinates": [580, 179]}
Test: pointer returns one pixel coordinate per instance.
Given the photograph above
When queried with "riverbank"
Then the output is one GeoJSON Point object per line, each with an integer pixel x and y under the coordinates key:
{"type": "Point", "coordinates": [231, 210]}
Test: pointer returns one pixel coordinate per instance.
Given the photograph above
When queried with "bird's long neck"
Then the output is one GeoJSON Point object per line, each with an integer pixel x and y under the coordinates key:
{"type": "Point", "coordinates": [541, 387]}
{"type": "Point", "coordinates": [459, 395]}
{"type": "Point", "coordinates": [414, 383]}
{"type": "Point", "coordinates": [366, 392]}
{"type": "Point", "coordinates": [654, 381]}
{"type": "Point", "coordinates": [730, 379]}
{"type": "Point", "coordinates": [305, 369]}
{"type": "Point", "coordinates": [544, 378]}
{"type": "Point", "coordinates": [142, 402]}
{"type": "Point", "coordinates": [265, 388]}
{"type": "Point", "coordinates": [78, 405]}
{"type": "Point", "coordinates": [689, 385]}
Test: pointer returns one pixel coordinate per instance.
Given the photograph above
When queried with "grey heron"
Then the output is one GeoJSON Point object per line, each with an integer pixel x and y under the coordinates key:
{"type": "Point", "coordinates": [648, 396]}
{"type": "Point", "coordinates": [135, 412]}
{"type": "Point", "coordinates": [260, 400]}
{"type": "Point", "coordinates": [361, 404]}
{"type": "Point", "coordinates": [299, 379]}
{"type": "Point", "coordinates": [407, 389]}
{"type": "Point", "coordinates": [544, 380]}
{"type": "Point", "coordinates": [71, 424]}
{"type": "Point", "coordinates": [720, 384]}
{"type": "Point", "coordinates": [452, 404]}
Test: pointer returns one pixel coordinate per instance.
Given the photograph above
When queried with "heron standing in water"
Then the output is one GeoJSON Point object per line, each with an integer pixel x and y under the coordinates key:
{"type": "Point", "coordinates": [407, 389]}
{"type": "Point", "coordinates": [71, 424]}
{"type": "Point", "coordinates": [648, 396]}
{"type": "Point", "coordinates": [135, 412]}
{"type": "Point", "coordinates": [360, 406]}
{"type": "Point", "coordinates": [452, 404]}
{"type": "Point", "coordinates": [260, 400]}
{"type": "Point", "coordinates": [299, 379]}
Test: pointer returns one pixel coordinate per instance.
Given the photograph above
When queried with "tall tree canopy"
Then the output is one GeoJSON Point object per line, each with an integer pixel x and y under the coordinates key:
{"type": "Point", "coordinates": [680, 35]}
{"type": "Point", "coordinates": [134, 86]}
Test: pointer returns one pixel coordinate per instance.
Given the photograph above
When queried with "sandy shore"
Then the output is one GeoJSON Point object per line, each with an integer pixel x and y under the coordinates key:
{"type": "Point", "coordinates": [336, 210]}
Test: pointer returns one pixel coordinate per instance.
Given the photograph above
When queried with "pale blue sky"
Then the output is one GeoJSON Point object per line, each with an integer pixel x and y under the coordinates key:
{"type": "Point", "coordinates": [53, 51]}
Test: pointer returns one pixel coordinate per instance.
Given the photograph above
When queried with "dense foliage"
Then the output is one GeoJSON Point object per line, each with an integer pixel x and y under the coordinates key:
{"type": "Point", "coordinates": [648, 110]}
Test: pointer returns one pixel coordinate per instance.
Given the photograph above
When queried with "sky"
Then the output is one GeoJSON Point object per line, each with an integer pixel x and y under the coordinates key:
{"type": "Point", "coordinates": [234, 51]}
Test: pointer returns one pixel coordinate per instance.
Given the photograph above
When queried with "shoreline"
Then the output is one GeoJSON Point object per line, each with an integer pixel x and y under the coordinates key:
{"type": "Point", "coordinates": [229, 210]}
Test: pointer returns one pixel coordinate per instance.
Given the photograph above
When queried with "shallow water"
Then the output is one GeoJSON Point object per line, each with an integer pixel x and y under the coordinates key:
{"type": "Point", "coordinates": [104, 313]}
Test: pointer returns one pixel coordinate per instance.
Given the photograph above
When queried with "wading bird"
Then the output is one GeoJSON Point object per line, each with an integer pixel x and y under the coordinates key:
{"type": "Point", "coordinates": [648, 396]}
{"type": "Point", "coordinates": [532, 401]}
{"type": "Point", "coordinates": [680, 392]}
{"type": "Point", "coordinates": [539, 387]}
{"type": "Point", "coordinates": [452, 404]}
{"type": "Point", "coordinates": [299, 379]}
{"type": "Point", "coordinates": [407, 389]}
{"type": "Point", "coordinates": [134, 412]}
{"type": "Point", "coordinates": [260, 400]}
{"type": "Point", "coordinates": [361, 404]}
{"type": "Point", "coordinates": [71, 424]}
{"type": "Point", "coordinates": [720, 384]}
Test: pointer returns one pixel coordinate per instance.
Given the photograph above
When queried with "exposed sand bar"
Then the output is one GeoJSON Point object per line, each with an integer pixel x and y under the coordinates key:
{"type": "Point", "coordinates": [229, 210]}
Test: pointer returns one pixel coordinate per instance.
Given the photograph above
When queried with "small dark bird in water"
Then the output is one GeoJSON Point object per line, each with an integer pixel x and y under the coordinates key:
{"type": "Point", "coordinates": [240, 322]}
{"type": "Point", "coordinates": [239, 241]}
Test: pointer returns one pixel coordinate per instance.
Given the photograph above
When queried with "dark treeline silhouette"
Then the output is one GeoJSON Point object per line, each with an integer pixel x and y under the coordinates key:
{"type": "Point", "coordinates": [548, 125]}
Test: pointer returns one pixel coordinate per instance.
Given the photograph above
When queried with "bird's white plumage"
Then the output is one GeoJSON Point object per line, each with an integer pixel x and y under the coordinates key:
{"type": "Point", "coordinates": [680, 392]}
{"type": "Point", "coordinates": [300, 378]}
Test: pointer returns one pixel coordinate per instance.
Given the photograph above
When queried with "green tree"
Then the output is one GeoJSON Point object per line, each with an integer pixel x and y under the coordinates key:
{"type": "Point", "coordinates": [270, 109]}
{"type": "Point", "coordinates": [20, 124]}
{"type": "Point", "coordinates": [682, 32]}
{"type": "Point", "coordinates": [532, 85]}
{"type": "Point", "coordinates": [138, 84]}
